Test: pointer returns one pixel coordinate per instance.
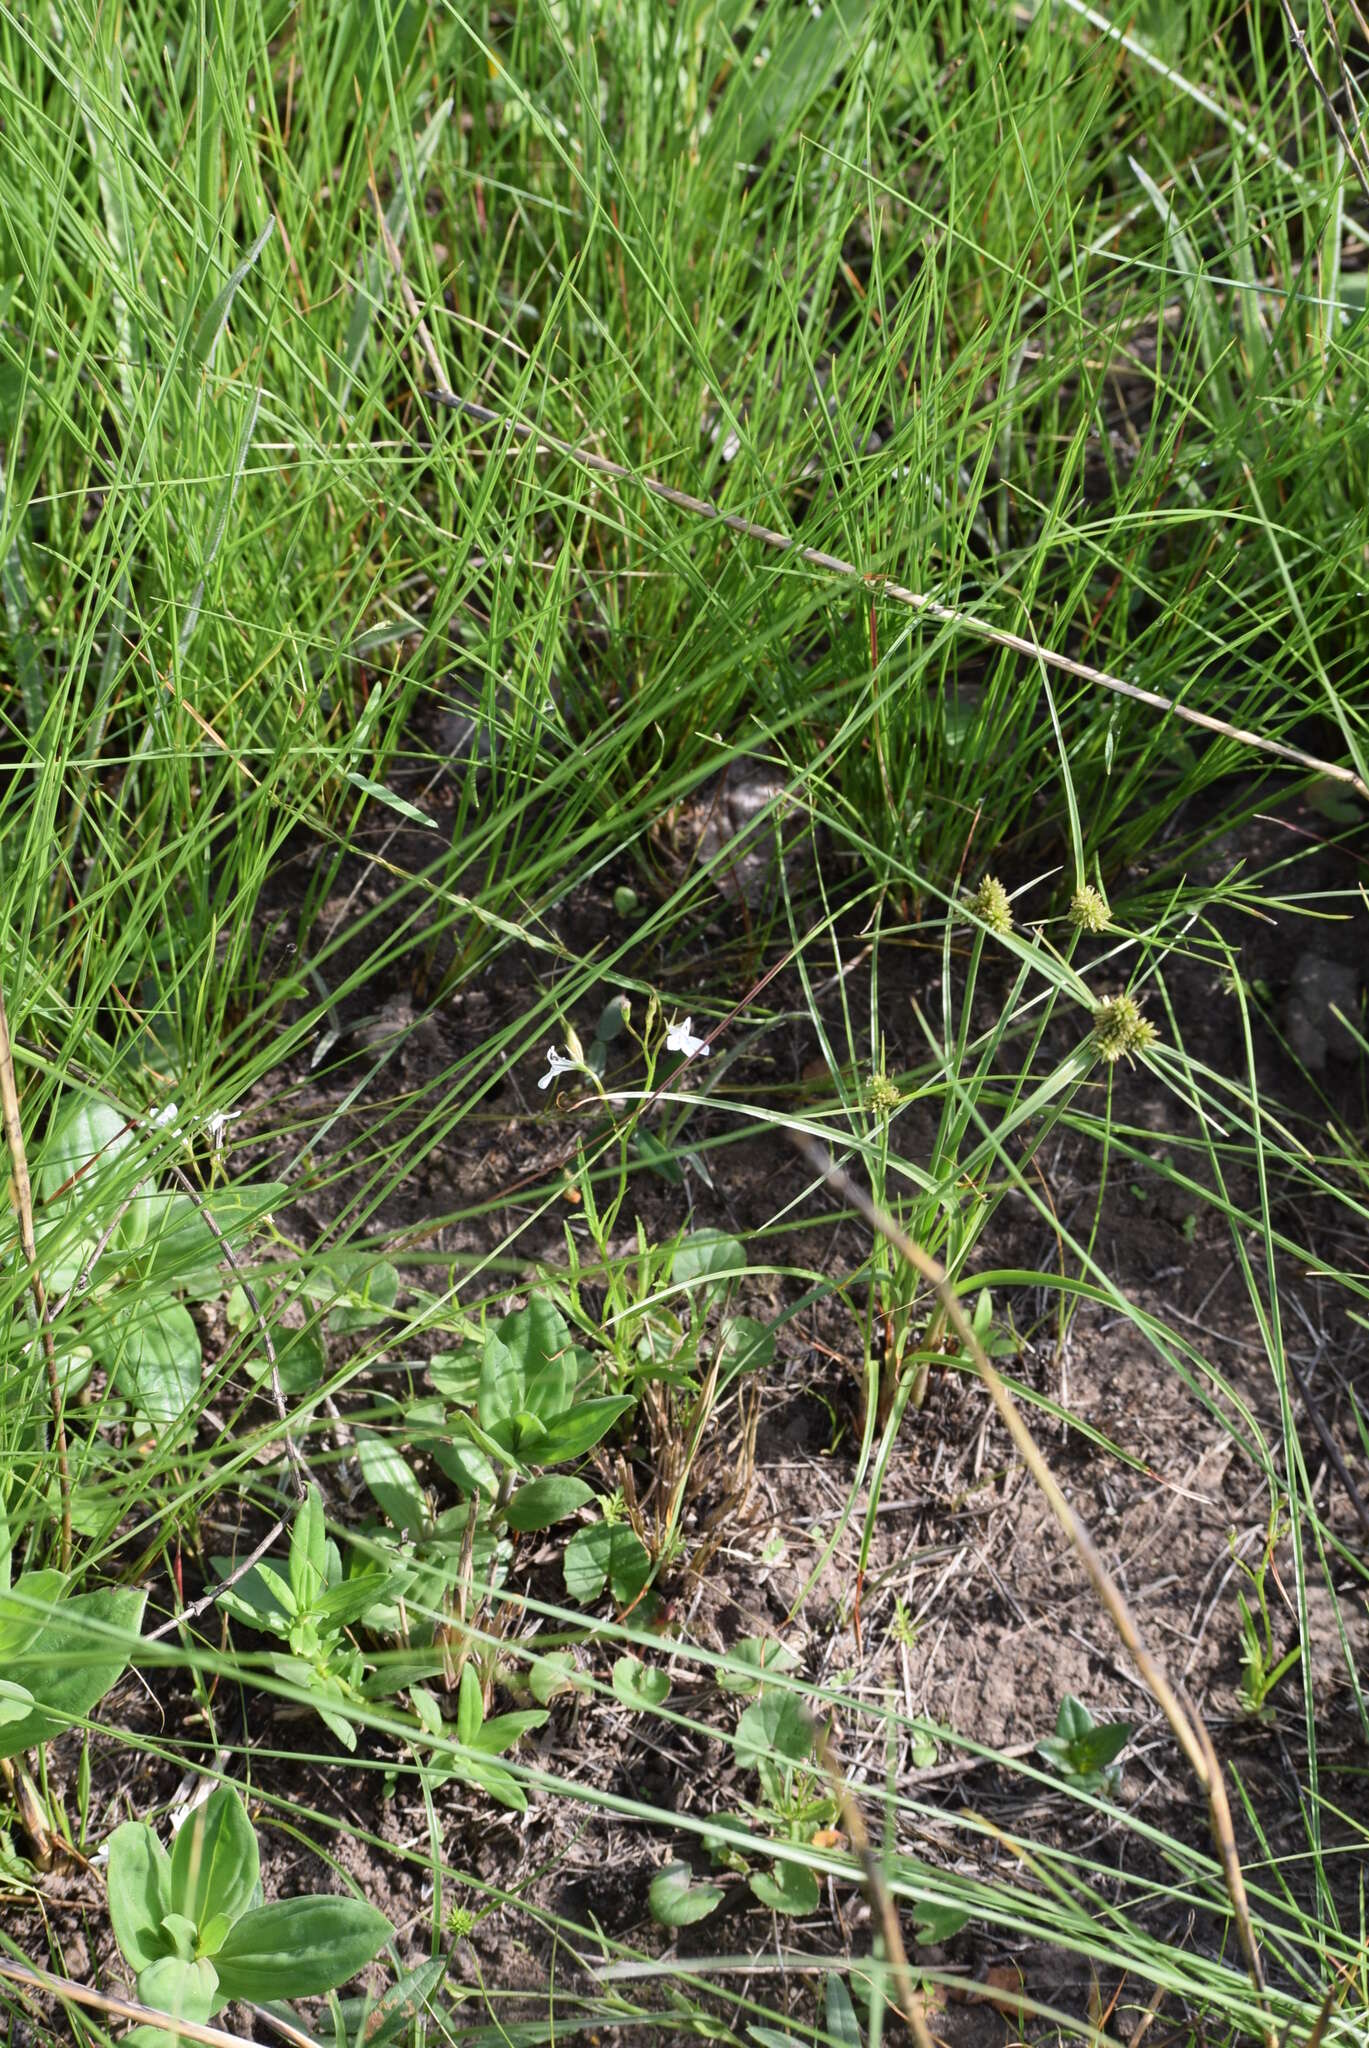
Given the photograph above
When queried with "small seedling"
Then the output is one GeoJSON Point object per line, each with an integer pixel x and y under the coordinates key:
{"type": "Point", "coordinates": [1261, 1665]}
{"type": "Point", "coordinates": [194, 1927]}
{"type": "Point", "coordinates": [1084, 1751]}
{"type": "Point", "coordinates": [480, 1740]}
{"type": "Point", "coordinates": [311, 1606]}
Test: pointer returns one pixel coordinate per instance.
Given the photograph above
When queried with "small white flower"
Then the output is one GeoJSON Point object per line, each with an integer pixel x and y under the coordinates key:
{"type": "Point", "coordinates": [167, 1114]}
{"type": "Point", "coordinates": [680, 1038]}
{"type": "Point", "coordinates": [216, 1124]}
{"type": "Point", "coordinates": [557, 1063]}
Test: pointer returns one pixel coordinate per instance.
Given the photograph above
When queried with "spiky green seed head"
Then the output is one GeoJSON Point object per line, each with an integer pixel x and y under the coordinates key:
{"type": "Point", "coordinates": [1088, 911]}
{"type": "Point", "coordinates": [882, 1096]}
{"type": "Point", "coordinates": [1119, 1029]}
{"type": "Point", "coordinates": [991, 906]}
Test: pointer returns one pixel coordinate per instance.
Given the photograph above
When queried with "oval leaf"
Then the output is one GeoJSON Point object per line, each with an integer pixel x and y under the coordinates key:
{"type": "Point", "coordinates": [189, 1990]}
{"type": "Point", "coordinates": [676, 1901]}
{"type": "Point", "coordinates": [214, 1860]}
{"type": "Point", "coordinates": [139, 1882]}
{"type": "Point", "coordinates": [639, 1686]}
{"type": "Point", "coordinates": [156, 1358]}
{"type": "Point", "coordinates": [393, 1484]}
{"type": "Point", "coordinates": [777, 1725]}
{"type": "Point", "coordinates": [299, 1948]}
{"type": "Point", "coordinates": [70, 1662]}
{"type": "Point", "coordinates": [607, 1553]}
{"type": "Point", "coordinates": [788, 1888]}
{"type": "Point", "coordinates": [544, 1501]}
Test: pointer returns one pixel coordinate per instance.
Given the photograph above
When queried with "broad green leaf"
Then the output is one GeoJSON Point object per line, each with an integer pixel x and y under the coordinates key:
{"type": "Point", "coordinates": [544, 1501]}
{"type": "Point", "coordinates": [359, 1290]}
{"type": "Point", "coordinates": [156, 1358]}
{"type": "Point", "coordinates": [530, 1364]}
{"type": "Point", "coordinates": [935, 1923]}
{"type": "Point", "coordinates": [466, 1465]}
{"type": "Point", "coordinates": [501, 1731]}
{"type": "Point", "coordinates": [502, 1383]}
{"type": "Point", "coordinates": [555, 1673]}
{"type": "Point", "coordinates": [456, 1374]}
{"type": "Point", "coordinates": [659, 1158]}
{"type": "Point", "coordinates": [256, 1598]}
{"type": "Point", "coordinates": [708, 1257]}
{"type": "Point", "coordinates": [26, 1607]}
{"type": "Point", "coordinates": [638, 1685]}
{"type": "Point", "coordinates": [300, 1359]}
{"type": "Point", "coordinates": [393, 1484]}
{"type": "Point", "coordinates": [501, 1785]}
{"type": "Point", "coordinates": [840, 2014]}
{"type": "Point", "coordinates": [80, 1154]}
{"type": "Point", "coordinates": [70, 1662]}
{"type": "Point", "coordinates": [787, 1888]}
{"type": "Point", "coordinates": [751, 1661]}
{"type": "Point", "coordinates": [299, 1948]}
{"type": "Point", "coordinates": [16, 1702]}
{"type": "Point", "coordinates": [182, 1934]}
{"type": "Point", "coordinates": [308, 1551]}
{"type": "Point", "coordinates": [176, 1985]}
{"type": "Point", "coordinates": [1096, 1750]}
{"type": "Point", "coordinates": [360, 1593]}
{"type": "Point", "coordinates": [608, 1553]}
{"type": "Point", "coordinates": [140, 1897]}
{"type": "Point", "coordinates": [470, 1707]}
{"type": "Point", "coordinates": [576, 1431]}
{"type": "Point", "coordinates": [777, 1725]}
{"type": "Point", "coordinates": [181, 1250]}
{"type": "Point", "coordinates": [214, 1860]}
{"type": "Point", "coordinates": [745, 1346]}
{"type": "Point", "coordinates": [676, 1901]}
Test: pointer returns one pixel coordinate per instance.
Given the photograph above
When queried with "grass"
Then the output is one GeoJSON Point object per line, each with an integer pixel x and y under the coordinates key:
{"type": "Point", "coordinates": [357, 748]}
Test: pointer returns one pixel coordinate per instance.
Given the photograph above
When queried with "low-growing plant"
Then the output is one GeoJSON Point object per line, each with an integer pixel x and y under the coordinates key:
{"type": "Point", "coordinates": [194, 1927]}
{"type": "Point", "coordinates": [312, 1605]}
{"type": "Point", "coordinates": [1084, 1751]}
{"type": "Point", "coordinates": [1262, 1665]}
{"type": "Point", "coordinates": [121, 1256]}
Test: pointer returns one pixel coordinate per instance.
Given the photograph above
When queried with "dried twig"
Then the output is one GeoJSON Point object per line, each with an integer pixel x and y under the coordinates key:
{"type": "Point", "coordinates": [1189, 1732]}
{"type": "Point", "coordinates": [23, 1203]}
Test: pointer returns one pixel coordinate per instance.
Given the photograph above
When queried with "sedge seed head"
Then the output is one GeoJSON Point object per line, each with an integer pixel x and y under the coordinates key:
{"type": "Point", "coordinates": [1119, 1029]}
{"type": "Point", "coordinates": [1088, 911]}
{"type": "Point", "coordinates": [990, 905]}
{"type": "Point", "coordinates": [882, 1096]}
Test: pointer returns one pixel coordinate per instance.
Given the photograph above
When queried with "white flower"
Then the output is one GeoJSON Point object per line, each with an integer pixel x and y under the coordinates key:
{"type": "Point", "coordinates": [680, 1038]}
{"type": "Point", "coordinates": [556, 1064]}
{"type": "Point", "coordinates": [215, 1125]}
